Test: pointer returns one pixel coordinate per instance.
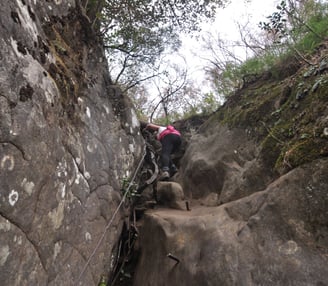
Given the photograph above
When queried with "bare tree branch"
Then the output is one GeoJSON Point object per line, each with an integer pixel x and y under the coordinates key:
{"type": "Point", "coordinates": [169, 94]}
{"type": "Point", "coordinates": [140, 81]}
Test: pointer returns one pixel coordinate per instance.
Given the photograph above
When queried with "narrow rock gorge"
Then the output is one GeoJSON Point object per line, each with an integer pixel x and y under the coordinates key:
{"type": "Point", "coordinates": [255, 177]}
{"type": "Point", "coordinates": [249, 205]}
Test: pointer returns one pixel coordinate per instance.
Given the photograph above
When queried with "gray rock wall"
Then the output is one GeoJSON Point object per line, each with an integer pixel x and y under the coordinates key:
{"type": "Point", "coordinates": [67, 139]}
{"type": "Point", "coordinates": [247, 225]}
{"type": "Point", "coordinates": [221, 165]}
{"type": "Point", "coordinates": [274, 237]}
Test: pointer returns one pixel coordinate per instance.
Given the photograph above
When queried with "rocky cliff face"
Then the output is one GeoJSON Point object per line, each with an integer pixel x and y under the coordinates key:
{"type": "Point", "coordinates": [255, 177]}
{"type": "Point", "coordinates": [67, 139]}
{"type": "Point", "coordinates": [277, 236]}
{"type": "Point", "coordinates": [254, 174]}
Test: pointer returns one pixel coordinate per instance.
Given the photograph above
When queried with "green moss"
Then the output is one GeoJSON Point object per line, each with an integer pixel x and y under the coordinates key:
{"type": "Point", "coordinates": [285, 116]}
{"type": "Point", "coordinates": [249, 112]}
{"type": "Point", "coordinates": [270, 150]}
{"type": "Point", "coordinates": [301, 152]}
{"type": "Point", "coordinates": [306, 151]}
{"type": "Point", "coordinates": [234, 118]}
{"type": "Point", "coordinates": [322, 90]}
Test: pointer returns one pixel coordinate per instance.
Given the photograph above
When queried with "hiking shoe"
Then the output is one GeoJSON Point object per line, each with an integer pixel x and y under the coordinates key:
{"type": "Point", "coordinates": [164, 176]}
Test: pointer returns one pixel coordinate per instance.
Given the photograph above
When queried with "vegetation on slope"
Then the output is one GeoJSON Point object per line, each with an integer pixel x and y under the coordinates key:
{"type": "Point", "coordinates": [289, 117]}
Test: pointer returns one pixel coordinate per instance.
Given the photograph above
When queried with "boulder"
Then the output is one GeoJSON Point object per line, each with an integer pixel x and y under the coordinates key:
{"type": "Point", "coordinates": [170, 194]}
{"type": "Point", "coordinates": [277, 236]}
{"type": "Point", "coordinates": [222, 163]}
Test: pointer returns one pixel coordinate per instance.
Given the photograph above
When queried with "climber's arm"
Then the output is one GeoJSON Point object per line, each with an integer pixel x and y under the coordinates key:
{"type": "Point", "coordinates": [152, 126]}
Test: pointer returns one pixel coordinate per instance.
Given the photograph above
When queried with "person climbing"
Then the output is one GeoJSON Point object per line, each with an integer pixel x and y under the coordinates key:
{"type": "Point", "coordinates": [170, 139]}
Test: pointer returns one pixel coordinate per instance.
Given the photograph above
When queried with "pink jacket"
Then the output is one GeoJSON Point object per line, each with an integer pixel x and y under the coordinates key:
{"type": "Point", "coordinates": [168, 130]}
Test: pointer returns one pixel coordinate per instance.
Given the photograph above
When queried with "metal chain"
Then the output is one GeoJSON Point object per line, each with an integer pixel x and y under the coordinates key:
{"type": "Point", "coordinates": [112, 219]}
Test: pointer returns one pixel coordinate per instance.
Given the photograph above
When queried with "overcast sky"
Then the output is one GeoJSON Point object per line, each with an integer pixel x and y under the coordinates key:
{"type": "Point", "coordinates": [226, 25]}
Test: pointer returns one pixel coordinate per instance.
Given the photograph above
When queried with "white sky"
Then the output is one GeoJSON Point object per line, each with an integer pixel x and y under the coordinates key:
{"type": "Point", "coordinates": [226, 25]}
{"type": "Point", "coordinates": [240, 10]}
{"type": "Point", "coordinates": [192, 49]}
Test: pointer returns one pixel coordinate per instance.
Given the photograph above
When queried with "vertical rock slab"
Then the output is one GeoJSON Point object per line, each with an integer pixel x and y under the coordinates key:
{"type": "Point", "coordinates": [67, 139]}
